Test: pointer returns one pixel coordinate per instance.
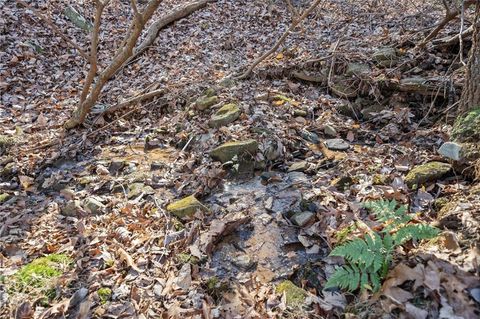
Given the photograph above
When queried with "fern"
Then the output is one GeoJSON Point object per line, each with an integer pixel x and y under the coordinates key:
{"type": "Point", "coordinates": [368, 259]}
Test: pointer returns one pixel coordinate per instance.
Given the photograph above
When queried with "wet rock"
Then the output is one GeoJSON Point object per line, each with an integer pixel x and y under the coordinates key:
{"type": "Point", "coordinates": [94, 205]}
{"type": "Point", "coordinates": [428, 172]}
{"type": "Point", "coordinates": [225, 115]}
{"type": "Point", "coordinates": [186, 207]}
{"type": "Point", "coordinates": [298, 167]}
{"type": "Point", "coordinates": [467, 127]}
{"type": "Point", "coordinates": [329, 130]}
{"type": "Point", "coordinates": [357, 69]}
{"type": "Point", "coordinates": [337, 144]}
{"type": "Point", "coordinates": [450, 150]}
{"type": "Point", "coordinates": [204, 102]}
{"type": "Point", "coordinates": [4, 197]}
{"type": "Point", "coordinates": [72, 208]}
{"type": "Point", "coordinates": [310, 136]}
{"type": "Point", "coordinates": [385, 57]}
{"type": "Point", "coordinates": [302, 219]}
{"type": "Point", "coordinates": [229, 150]}
{"type": "Point", "coordinates": [295, 296]}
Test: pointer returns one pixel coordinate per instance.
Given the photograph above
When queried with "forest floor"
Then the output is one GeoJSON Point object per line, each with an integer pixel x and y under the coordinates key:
{"type": "Point", "coordinates": [94, 200]}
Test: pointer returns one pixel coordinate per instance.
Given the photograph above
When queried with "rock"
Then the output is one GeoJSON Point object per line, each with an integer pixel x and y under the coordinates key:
{"type": "Point", "coordinates": [298, 167]}
{"type": "Point", "coordinates": [72, 208]}
{"type": "Point", "coordinates": [301, 113]}
{"type": "Point", "coordinates": [186, 207]}
{"type": "Point", "coordinates": [116, 166]}
{"type": "Point", "coordinates": [136, 189]}
{"type": "Point", "coordinates": [6, 142]}
{"type": "Point", "coordinates": [310, 136]}
{"type": "Point", "coordinates": [225, 115]}
{"type": "Point", "coordinates": [295, 296]}
{"type": "Point", "coordinates": [343, 182]}
{"type": "Point", "coordinates": [4, 197]}
{"type": "Point", "coordinates": [428, 172]}
{"type": "Point", "coordinates": [8, 169]}
{"type": "Point", "coordinates": [337, 144]}
{"type": "Point", "coordinates": [369, 112]}
{"type": "Point", "coordinates": [467, 127]}
{"type": "Point", "coordinates": [450, 150]}
{"type": "Point", "coordinates": [329, 130]}
{"type": "Point", "coordinates": [302, 219]}
{"type": "Point", "coordinates": [156, 165]}
{"type": "Point", "coordinates": [385, 57]}
{"type": "Point", "coordinates": [357, 69]}
{"type": "Point", "coordinates": [94, 205]}
{"type": "Point", "coordinates": [204, 102]}
{"type": "Point", "coordinates": [229, 150]}
{"type": "Point", "coordinates": [243, 262]}
{"type": "Point", "coordinates": [77, 19]}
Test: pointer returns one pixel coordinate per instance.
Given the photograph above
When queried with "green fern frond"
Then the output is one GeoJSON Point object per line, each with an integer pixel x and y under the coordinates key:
{"type": "Point", "coordinates": [386, 212]}
{"type": "Point", "coordinates": [415, 232]}
{"type": "Point", "coordinates": [345, 278]}
{"type": "Point", "coordinates": [364, 253]}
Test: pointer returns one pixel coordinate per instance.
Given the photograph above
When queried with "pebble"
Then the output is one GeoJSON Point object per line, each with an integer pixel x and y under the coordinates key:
{"type": "Point", "coordinates": [450, 150]}
{"type": "Point", "coordinates": [337, 144]}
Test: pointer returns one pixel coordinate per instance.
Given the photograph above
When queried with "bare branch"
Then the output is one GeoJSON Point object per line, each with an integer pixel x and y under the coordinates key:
{"type": "Point", "coordinates": [54, 28]}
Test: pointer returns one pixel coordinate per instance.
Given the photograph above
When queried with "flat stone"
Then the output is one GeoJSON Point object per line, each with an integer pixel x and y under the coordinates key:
{"type": "Point", "coordinates": [186, 207]}
{"type": "Point", "coordinates": [136, 189]}
{"type": "Point", "coordinates": [357, 69]}
{"type": "Point", "coordinates": [243, 262]}
{"type": "Point", "coordinates": [302, 219]}
{"type": "Point", "coordinates": [94, 205]}
{"type": "Point", "coordinates": [225, 115]}
{"type": "Point", "coordinates": [229, 150]}
{"type": "Point", "coordinates": [77, 19]}
{"type": "Point", "coordinates": [385, 56]}
{"type": "Point", "coordinates": [428, 172]}
{"type": "Point", "coordinates": [329, 130]}
{"type": "Point", "coordinates": [337, 144]}
{"type": "Point", "coordinates": [295, 296]}
{"type": "Point", "coordinates": [298, 167]}
{"type": "Point", "coordinates": [450, 150]}
{"type": "Point", "coordinates": [310, 136]}
{"type": "Point", "coordinates": [204, 102]}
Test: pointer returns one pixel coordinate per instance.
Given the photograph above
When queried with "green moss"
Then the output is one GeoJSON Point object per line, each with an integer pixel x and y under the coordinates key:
{"type": "Point", "coordinates": [40, 272]}
{"type": "Point", "coordinates": [186, 207]}
{"type": "Point", "coordinates": [380, 179]}
{"type": "Point", "coordinates": [215, 287]}
{"type": "Point", "coordinates": [204, 102]}
{"type": "Point", "coordinates": [225, 115]}
{"type": "Point", "coordinates": [280, 97]}
{"type": "Point", "coordinates": [467, 127]}
{"type": "Point", "coordinates": [184, 258]}
{"type": "Point", "coordinates": [4, 197]}
{"type": "Point", "coordinates": [229, 150]}
{"type": "Point", "coordinates": [295, 296]}
{"type": "Point", "coordinates": [104, 294]}
{"type": "Point", "coordinates": [342, 235]}
{"type": "Point", "coordinates": [428, 172]}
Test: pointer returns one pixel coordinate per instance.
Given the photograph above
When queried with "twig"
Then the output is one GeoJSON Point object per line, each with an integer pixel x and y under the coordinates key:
{"type": "Point", "coordinates": [462, 18]}
{"type": "Point", "coordinates": [54, 28]}
{"type": "Point", "coordinates": [279, 42]}
{"type": "Point", "coordinates": [133, 100]}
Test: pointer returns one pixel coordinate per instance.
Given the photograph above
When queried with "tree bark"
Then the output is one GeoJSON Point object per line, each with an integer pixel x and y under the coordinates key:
{"type": "Point", "coordinates": [471, 90]}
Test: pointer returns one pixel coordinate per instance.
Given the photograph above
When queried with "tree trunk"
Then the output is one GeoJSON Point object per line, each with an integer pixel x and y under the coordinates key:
{"type": "Point", "coordinates": [471, 89]}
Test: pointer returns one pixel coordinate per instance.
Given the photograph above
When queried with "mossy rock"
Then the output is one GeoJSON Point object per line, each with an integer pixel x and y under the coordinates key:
{"type": "Point", "coordinates": [467, 127]}
{"type": "Point", "coordinates": [428, 172]}
{"type": "Point", "coordinates": [225, 115]}
{"type": "Point", "coordinates": [77, 19]}
{"type": "Point", "coordinates": [357, 69]}
{"type": "Point", "coordinates": [204, 102]}
{"type": "Point", "coordinates": [6, 142]}
{"type": "Point", "coordinates": [4, 197]}
{"type": "Point", "coordinates": [226, 152]}
{"type": "Point", "coordinates": [295, 296]}
{"type": "Point", "coordinates": [186, 207]}
{"type": "Point", "coordinates": [104, 294]}
{"type": "Point", "coordinates": [385, 57]}
{"type": "Point", "coordinates": [41, 272]}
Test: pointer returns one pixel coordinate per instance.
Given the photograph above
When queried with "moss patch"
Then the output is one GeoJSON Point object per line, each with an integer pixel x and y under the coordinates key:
{"type": "Point", "coordinates": [467, 127]}
{"type": "Point", "coordinates": [428, 172]}
{"type": "Point", "coordinates": [104, 294]}
{"type": "Point", "coordinates": [295, 295]}
{"type": "Point", "coordinates": [186, 207]}
{"type": "Point", "coordinates": [225, 115]}
{"type": "Point", "coordinates": [40, 272]}
{"type": "Point", "coordinates": [229, 150]}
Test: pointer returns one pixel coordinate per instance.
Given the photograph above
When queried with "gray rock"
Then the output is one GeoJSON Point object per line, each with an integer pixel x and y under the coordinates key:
{"type": "Point", "coordinates": [229, 150]}
{"type": "Point", "coordinates": [302, 219]}
{"type": "Point", "coordinates": [329, 130]}
{"type": "Point", "coordinates": [385, 57]}
{"type": "Point", "coordinates": [337, 144]}
{"type": "Point", "coordinates": [243, 262]}
{"type": "Point", "coordinates": [72, 208]}
{"type": "Point", "coordinates": [77, 19]}
{"type": "Point", "coordinates": [357, 69]}
{"type": "Point", "coordinates": [450, 150]}
{"type": "Point", "coordinates": [310, 136]}
{"type": "Point", "coordinates": [94, 205]}
{"type": "Point", "coordinates": [225, 115]}
{"type": "Point", "coordinates": [298, 167]}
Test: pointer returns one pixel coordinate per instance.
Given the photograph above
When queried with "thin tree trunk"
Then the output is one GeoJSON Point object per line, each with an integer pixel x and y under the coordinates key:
{"type": "Point", "coordinates": [471, 89]}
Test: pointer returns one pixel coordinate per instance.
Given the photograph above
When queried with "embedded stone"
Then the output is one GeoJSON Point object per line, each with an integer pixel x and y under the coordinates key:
{"type": "Point", "coordinates": [450, 150]}
{"type": "Point", "coordinates": [225, 115]}
{"type": "Point", "coordinates": [229, 150]}
{"type": "Point", "coordinates": [428, 172]}
{"type": "Point", "coordinates": [186, 207]}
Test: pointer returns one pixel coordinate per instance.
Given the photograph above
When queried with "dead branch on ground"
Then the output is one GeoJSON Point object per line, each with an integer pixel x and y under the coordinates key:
{"type": "Point", "coordinates": [282, 39]}
{"type": "Point", "coordinates": [54, 28]}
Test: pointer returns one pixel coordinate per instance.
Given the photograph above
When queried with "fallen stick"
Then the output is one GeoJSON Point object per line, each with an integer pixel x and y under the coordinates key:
{"type": "Point", "coordinates": [133, 100]}
{"type": "Point", "coordinates": [54, 28]}
{"type": "Point", "coordinates": [279, 42]}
